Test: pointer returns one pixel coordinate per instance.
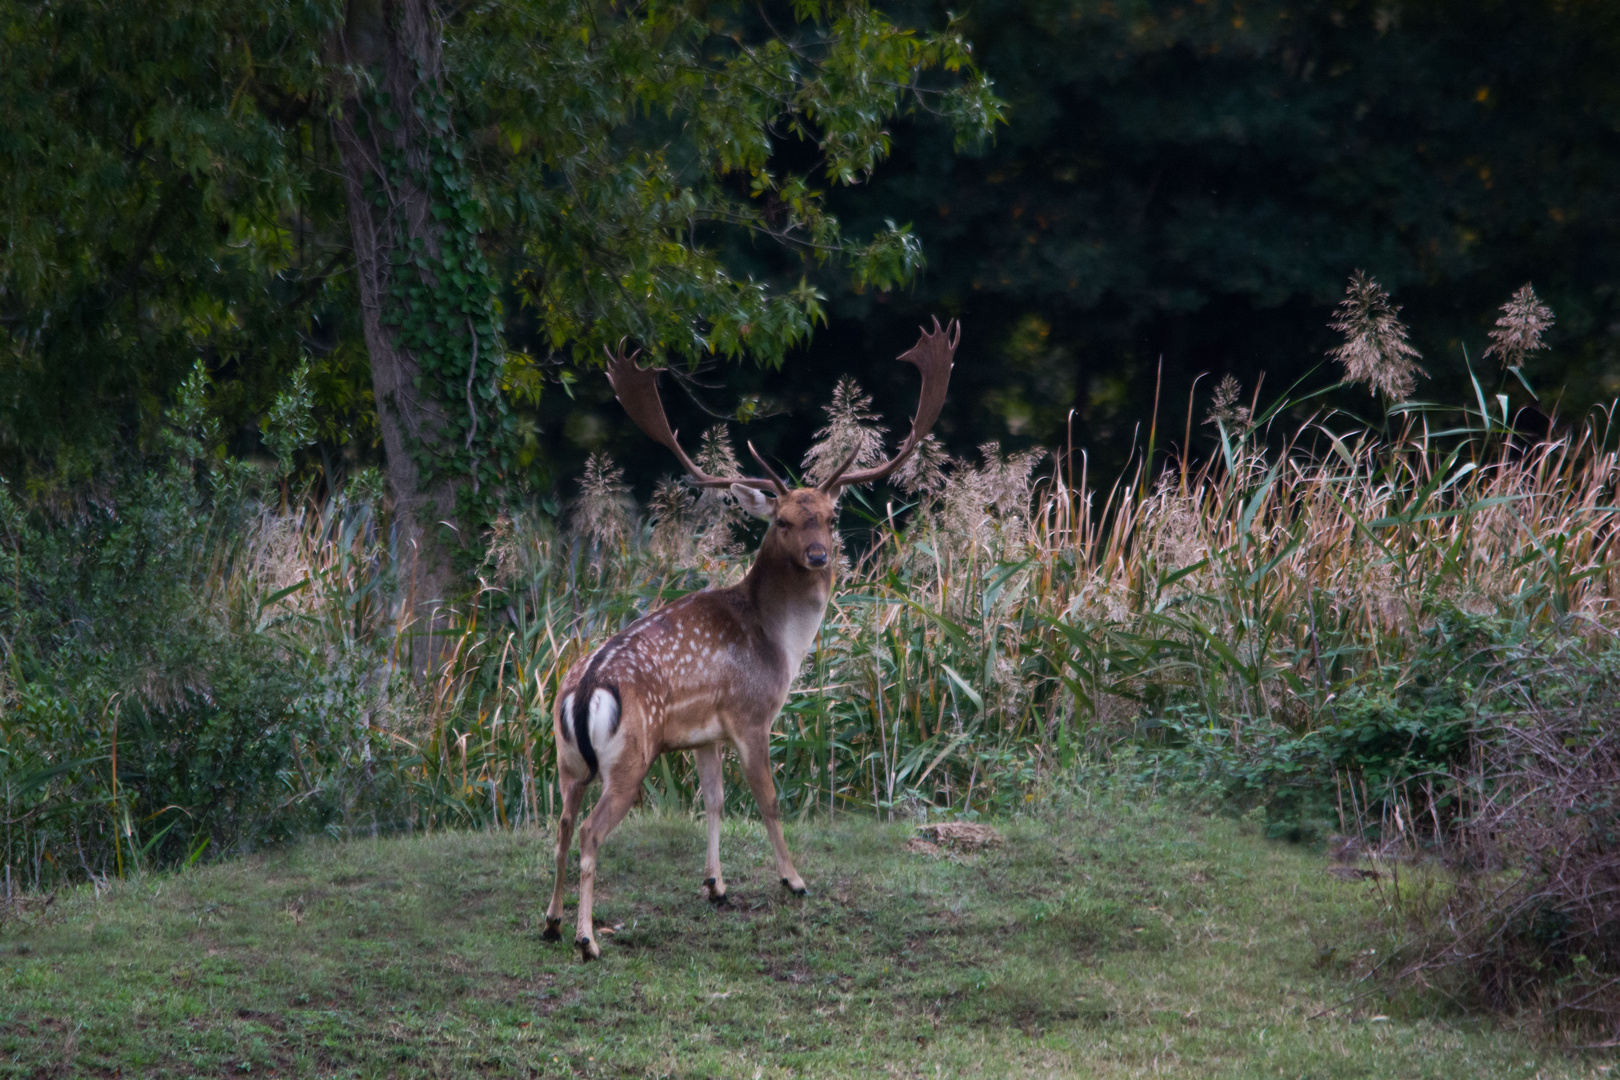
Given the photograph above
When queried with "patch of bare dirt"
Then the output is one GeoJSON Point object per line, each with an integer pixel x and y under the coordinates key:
{"type": "Point", "coordinates": [966, 836]}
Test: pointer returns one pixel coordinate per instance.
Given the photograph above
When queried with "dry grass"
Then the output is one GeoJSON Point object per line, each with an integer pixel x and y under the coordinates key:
{"type": "Point", "coordinates": [1009, 623]}
{"type": "Point", "coordinates": [1014, 620]}
{"type": "Point", "coordinates": [1523, 909]}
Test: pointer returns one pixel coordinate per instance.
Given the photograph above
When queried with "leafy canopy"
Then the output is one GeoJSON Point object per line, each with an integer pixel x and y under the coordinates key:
{"type": "Point", "coordinates": [615, 152]}
{"type": "Point", "coordinates": [173, 193]}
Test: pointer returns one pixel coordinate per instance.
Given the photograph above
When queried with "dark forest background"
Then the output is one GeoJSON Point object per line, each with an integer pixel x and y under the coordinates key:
{"type": "Point", "coordinates": [1195, 181]}
{"type": "Point", "coordinates": [1180, 187]}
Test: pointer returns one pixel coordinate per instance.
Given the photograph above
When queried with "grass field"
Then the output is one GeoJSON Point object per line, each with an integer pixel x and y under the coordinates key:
{"type": "Point", "coordinates": [1122, 938]}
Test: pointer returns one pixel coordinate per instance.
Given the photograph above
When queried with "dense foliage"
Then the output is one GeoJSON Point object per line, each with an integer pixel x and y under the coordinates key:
{"type": "Point", "coordinates": [1194, 181]}
{"type": "Point", "coordinates": [1191, 181]}
{"type": "Point", "coordinates": [380, 185]}
{"type": "Point", "coordinates": [161, 684]}
{"type": "Point", "coordinates": [1318, 629]}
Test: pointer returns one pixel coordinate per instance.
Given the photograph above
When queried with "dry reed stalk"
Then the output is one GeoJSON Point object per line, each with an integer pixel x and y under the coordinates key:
{"type": "Point", "coordinates": [999, 629]}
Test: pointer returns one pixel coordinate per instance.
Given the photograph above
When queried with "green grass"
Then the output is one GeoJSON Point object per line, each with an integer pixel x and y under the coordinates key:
{"type": "Point", "coordinates": [1127, 938]}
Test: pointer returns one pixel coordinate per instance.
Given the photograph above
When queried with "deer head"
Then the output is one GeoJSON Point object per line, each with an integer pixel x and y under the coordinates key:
{"type": "Point", "coordinates": [802, 519]}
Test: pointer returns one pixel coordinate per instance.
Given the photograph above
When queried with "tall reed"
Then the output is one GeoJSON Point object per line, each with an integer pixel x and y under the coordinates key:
{"type": "Point", "coordinates": [1313, 587]}
{"type": "Point", "coordinates": [1003, 625]}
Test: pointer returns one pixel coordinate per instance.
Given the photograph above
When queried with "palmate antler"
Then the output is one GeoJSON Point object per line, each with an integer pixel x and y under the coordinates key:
{"type": "Point", "coordinates": [933, 355]}
{"type": "Point", "coordinates": [637, 389]}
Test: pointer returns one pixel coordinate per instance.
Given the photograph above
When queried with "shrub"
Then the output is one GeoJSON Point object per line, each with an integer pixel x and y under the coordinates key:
{"type": "Point", "coordinates": [1531, 914]}
{"type": "Point", "coordinates": [166, 694]}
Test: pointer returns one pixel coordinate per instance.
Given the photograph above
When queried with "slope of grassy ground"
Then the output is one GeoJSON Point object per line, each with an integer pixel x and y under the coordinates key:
{"type": "Point", "coordinates": [1125, 938]}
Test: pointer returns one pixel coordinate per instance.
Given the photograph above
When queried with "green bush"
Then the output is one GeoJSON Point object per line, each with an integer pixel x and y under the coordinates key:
{"type": "Point", "coordinates": [158, 703]}
{"type": "Point", "coordinates": [1377, 747]}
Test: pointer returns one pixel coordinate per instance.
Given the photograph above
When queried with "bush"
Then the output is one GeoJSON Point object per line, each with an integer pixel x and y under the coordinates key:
{"type": "Point", "coordinates": [146, 717]}
{"type": "Point", "coordinates": [1532, 913]}
{"type": "Point", "coordinates": [165, 696]}
{"type": "Point", "coordinates": [1380, 760]}
{"type": "Point", "coordinates": [1317, 618]}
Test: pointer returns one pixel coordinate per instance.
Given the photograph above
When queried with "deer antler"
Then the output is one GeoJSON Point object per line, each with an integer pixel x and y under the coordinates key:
{"type": "Point", "coordinates": [637, 389]}
{"type": "Point", "coordinates": [933, 355]}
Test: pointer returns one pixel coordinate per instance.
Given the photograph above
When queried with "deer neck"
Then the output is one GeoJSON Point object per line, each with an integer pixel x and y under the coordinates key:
{"type": "Point", "coordinates": [790, 600]}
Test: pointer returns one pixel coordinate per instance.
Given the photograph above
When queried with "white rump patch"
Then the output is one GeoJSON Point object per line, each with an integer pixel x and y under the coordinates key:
{"type": "Point", "coordinates": [601, 720]}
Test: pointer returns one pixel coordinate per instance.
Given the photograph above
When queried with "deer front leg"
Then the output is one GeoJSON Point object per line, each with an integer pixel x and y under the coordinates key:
{"type": "Point", "coordinates": [755, 755]}
{"type": "Point", "coordinates": [619, 792]}
{"type": "Point", "coordinates": [710, 776]}
{"type": "Point", "coordinates": [573, 796]}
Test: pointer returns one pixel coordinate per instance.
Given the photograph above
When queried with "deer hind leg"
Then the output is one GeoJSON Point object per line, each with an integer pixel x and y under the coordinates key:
{"type": "Point", "coordinates": [710, 776]}
{"type": "Point", "coordinates": [573, 796]}
{"type": "Point", "coordinates": [755, 755]}
{"type": "Point", "coordinates": [619, 791]}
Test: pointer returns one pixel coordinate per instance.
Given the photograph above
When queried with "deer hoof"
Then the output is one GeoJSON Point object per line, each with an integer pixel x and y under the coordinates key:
{"type": "Point", "coordinates": [796, 890]}
{"type": "Point", "coordinates": [553, 930]}
{"type": "Point", "coordinates": [588, 950]}
{"type": "Point", "coordinates": [716, 895]}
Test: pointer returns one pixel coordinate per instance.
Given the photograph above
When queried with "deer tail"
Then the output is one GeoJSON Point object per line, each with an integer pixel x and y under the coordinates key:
{"type": "Point", "coordinates": [596, 708]}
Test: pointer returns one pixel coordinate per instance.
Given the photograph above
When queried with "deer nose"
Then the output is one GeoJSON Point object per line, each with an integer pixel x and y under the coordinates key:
{"type": "Point", "coordinates": [816, 556]}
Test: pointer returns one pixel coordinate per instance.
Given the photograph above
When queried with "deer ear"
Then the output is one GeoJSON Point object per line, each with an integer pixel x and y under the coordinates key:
{"type": "Point", "coordinates": [754, 501]}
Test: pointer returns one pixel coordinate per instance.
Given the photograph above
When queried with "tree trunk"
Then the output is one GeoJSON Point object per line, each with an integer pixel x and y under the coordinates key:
{"type": "Point", "coordinates": [389, 59]}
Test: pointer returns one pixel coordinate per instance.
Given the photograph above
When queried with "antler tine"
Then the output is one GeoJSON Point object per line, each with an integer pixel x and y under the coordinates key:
{"type": "Point", "coordinates": [637, 389]}
{"type": "Point", "coordinates": [933, 356]}
{"type": "Point", "coordinates": [849, 459]}
{"type": "Point", "coordinates": [776, 481]}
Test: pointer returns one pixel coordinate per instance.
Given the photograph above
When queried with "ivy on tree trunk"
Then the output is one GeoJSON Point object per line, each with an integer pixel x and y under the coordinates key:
{"type": "Point", "coordinates": [428, 297]}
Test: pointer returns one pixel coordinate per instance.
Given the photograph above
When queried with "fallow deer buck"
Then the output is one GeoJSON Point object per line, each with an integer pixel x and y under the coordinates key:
{"type": "Point", "coordinates": [713, 667]}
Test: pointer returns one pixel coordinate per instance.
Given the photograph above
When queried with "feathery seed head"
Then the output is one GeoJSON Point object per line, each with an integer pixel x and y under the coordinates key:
{"type": "Point", "coordinates": [503, 563]}
{"type": "Point", "coordinates": [1375, 349]}
{"type": "Point", "coordinates": [923, 474]}
{"type": "Point", "coordinates": [715, 454]}
{"type": "Point", "coordinates": [602, 513]}
{"type": "Point", "coordinates": [851, 425]}
{"type": "Point", "coordinates": [670, 509]}
{"type": "Point", "coordinates": [1518, 331]}
{"type": "Point", "coordinates": [1228, 409]}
